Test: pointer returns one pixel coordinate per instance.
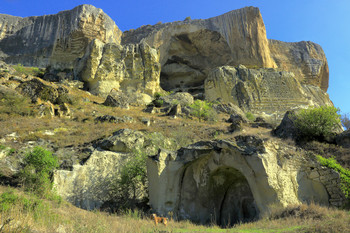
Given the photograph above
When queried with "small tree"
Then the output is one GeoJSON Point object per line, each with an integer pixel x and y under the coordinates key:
{"type": "Point", "coordinates": [317, 123]}
{"type": "Point", "coordinates": [345, 121]}
{"type": "Point", "coordinates": [37, 171]}
{"type": "Point", "coordinates": [132, 182]}
{"type": "Point", "coordinates": [203, 110]}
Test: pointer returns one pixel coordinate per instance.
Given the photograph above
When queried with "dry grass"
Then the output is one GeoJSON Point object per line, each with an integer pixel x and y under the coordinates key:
{"type": "Point", "coordinates": [54, 217]}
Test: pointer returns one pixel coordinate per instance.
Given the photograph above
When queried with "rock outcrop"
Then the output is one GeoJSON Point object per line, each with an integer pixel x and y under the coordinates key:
{"type": "Point", "coordinates": [183, 43]}
{"type": "Point", "coordinates": [262, 91]}
{"type": "Point", "coordinates": [235, 181]}
{"type": "Point", "coordinates": [131, 68]}
{"type": "Point", "coordinates": [56, 40]}
{"type": "Point", "coordinates": [305, 59]}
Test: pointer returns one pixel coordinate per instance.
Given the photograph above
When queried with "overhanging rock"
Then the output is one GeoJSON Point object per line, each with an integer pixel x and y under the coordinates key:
{"type": "Point", "coordinates": [228, 182]}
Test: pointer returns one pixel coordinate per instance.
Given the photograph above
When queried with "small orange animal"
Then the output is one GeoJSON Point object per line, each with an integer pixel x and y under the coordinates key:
{"type": "Point", "coordinates": [159, 219]}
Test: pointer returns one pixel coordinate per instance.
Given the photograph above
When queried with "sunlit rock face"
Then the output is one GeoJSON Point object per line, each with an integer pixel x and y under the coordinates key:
{"type": "Point", "coordinates": [131, 68]}
{"type": "Point", "coordinates": [262, 91]}
{"type": "Point", "coordinates": [228, 182]}
{"type": "Point", "coordinates": [244, 32]}
{"type": "Point", "coordinates": [56, 40]}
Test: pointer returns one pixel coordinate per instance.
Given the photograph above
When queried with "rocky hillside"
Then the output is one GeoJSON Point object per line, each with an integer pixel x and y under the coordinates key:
{"type": "Point", "coordinates": [183, 118]}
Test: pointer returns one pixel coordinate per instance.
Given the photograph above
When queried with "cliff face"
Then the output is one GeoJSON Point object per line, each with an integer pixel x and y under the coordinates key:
{"type": "Point", "coordinates": [131, 68]}
{"type": "Point", "coordinates": [188, 51]}
{"type": "Point", "coordinates": [244, 32]}
{"type": "Point", "coordinates": [237, 181]}
{"type": "Point", "coordinates": [305, 59]}
{"type": "Point", "coordinates": [55, 40]}
{"type": "Point", "coordinates": [267, 91]}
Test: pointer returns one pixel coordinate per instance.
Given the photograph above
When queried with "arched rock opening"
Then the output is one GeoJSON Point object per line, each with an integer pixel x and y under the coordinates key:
{"type": "Point", "coordinates": [188, 58]}
{"type": "Point", "coordinates": [223, 197]}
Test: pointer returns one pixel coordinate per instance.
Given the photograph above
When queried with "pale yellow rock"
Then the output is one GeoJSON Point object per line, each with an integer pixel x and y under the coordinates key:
{"type": "Point", "coordinates": [235, 180]}
{"type": "Point", "coordinates": [305, 59]}
{"type": "Point", "coordinates": [262, 91]}
{"type": "Point", "coordinates": [56, 40]}
{"type": "Point", "coordinates": [131, 68]}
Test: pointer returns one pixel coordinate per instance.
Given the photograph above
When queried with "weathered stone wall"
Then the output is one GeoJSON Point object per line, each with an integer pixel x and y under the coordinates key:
{"type": "Point", "coordinates": [55, 40]}
{"type": "Point", "coordinates": [262, 91]}
{"type": "Point", "coordinates": [200, 181]}
{"type": "Point", "coordinates": [131, 68]}
{"type": "Point", "coordinates": [305, 59]}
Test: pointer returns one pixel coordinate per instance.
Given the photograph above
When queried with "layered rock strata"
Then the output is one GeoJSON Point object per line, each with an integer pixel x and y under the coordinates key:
{"type": "Point", "coordinates": [131, 68]}
{"type": "Point", "coordinates": [236, 181]}
{"type": "Point", "coordinates": [244, 32]}
{"type": "Point", "coordinates": [262, 91]}
{"type": "Point", "coordinates": [56, 40]}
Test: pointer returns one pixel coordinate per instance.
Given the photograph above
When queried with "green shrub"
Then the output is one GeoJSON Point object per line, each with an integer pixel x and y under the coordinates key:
{"type": "Point", "coordinates": [15, 104]}
{"type": "Point", "coordinates": [19, 68]}
{"type": "Point", "coordinates": [317, 123]}
{"type": "Point", "coordinates": [157, 101]}
{"type": "Point", "coordinates": [131, 184]}
{"type": "Point", "coordinates": [344, 173]}
{"type": "Point", "coordinates": [203, 110]}
{"type": "Point", "coordinates": [250, 116]}
{"type": "Point", "coordinates": [37, 171]}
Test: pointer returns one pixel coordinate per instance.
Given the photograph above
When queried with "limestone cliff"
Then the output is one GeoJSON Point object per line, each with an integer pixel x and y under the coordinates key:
{"type": "Point", "coordinates": [236, 181]}
{"type": "Point", "coordinates": [131, 68]}
{"type": "Point", "coordinates": [55, 40]}
{"type": "Point", "coordinates": [244, 32]}
{"type": "Point", "coordinates": [305, 59]}
{"type": "Point", "coordinates": [262, 91]}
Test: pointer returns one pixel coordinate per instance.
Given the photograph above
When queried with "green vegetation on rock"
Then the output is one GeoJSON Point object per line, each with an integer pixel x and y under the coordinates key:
{"type": "Point", "coordinates": [317, 123]}
{"type": "Point", "coordinates": [344, 173]}
{"type": "Point", "coordinates": [203, 110]}
{"type": "Point", "coordinates": [37, 171]}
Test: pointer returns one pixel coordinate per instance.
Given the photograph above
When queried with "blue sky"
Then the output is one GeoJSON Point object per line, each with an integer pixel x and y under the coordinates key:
{"type": "Point", "coordinates": [324, 22]}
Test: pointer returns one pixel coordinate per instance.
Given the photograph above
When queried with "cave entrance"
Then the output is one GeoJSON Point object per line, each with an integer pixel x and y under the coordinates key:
{"type": "Point", "coordinates": [232, 197]}
{"type": "Point", "coordinates": [188, 57]}
{"type": "Point", "coordinates": [223, 197]}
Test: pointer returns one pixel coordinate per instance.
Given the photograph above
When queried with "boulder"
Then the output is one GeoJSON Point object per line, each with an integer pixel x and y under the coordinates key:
{"type": "Point", "coordinates": [37, 90]}
{"type": "Point", "coordinates": [123, 141]}
{"type": "Point", "coordinates": [113, 119]}
{"type": "Point", "coordinates": [175, 110]}
{"type": "Point", "coordinates": [287, 128]}
{"type": "Point", "coordinates": [117, 99]}
{"type": "Point", "coordinates": [182, 98]}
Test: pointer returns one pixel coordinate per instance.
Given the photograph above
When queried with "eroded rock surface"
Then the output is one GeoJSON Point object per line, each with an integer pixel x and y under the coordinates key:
{"type": "Point", "coordinates": [262, 91]}
{"type": "Point", "coordinates": [132, 68]}
{"type": "Point", "coordinates": [55, 40]}
{"type": "Point", "coordinates": [209, 178]}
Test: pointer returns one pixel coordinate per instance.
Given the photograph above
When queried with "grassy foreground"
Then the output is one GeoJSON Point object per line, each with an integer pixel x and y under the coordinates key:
{"type": "Point", "coordinates": [24, 212]}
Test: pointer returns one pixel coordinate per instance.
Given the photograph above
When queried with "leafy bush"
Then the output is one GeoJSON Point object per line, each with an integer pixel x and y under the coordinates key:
{"type": "Point", "coordinates": [250, 116]}
{"type": "Point", "coordinates": [203, 110]}
{"type": "Point", "coordinates": [344, 173]}
{"type": "Point", "coordinates": [37, 172]}
{"type": "Point", "coordinates": [157, 101]}
{"type": "Point", "coordinates": [345, 121]}
{"type": "Point", "coordinates": [317, 123]}
{"type": "Point", "coordinates": [131, 184]}
{"type": "Point", "coordinates": [15, 104]}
